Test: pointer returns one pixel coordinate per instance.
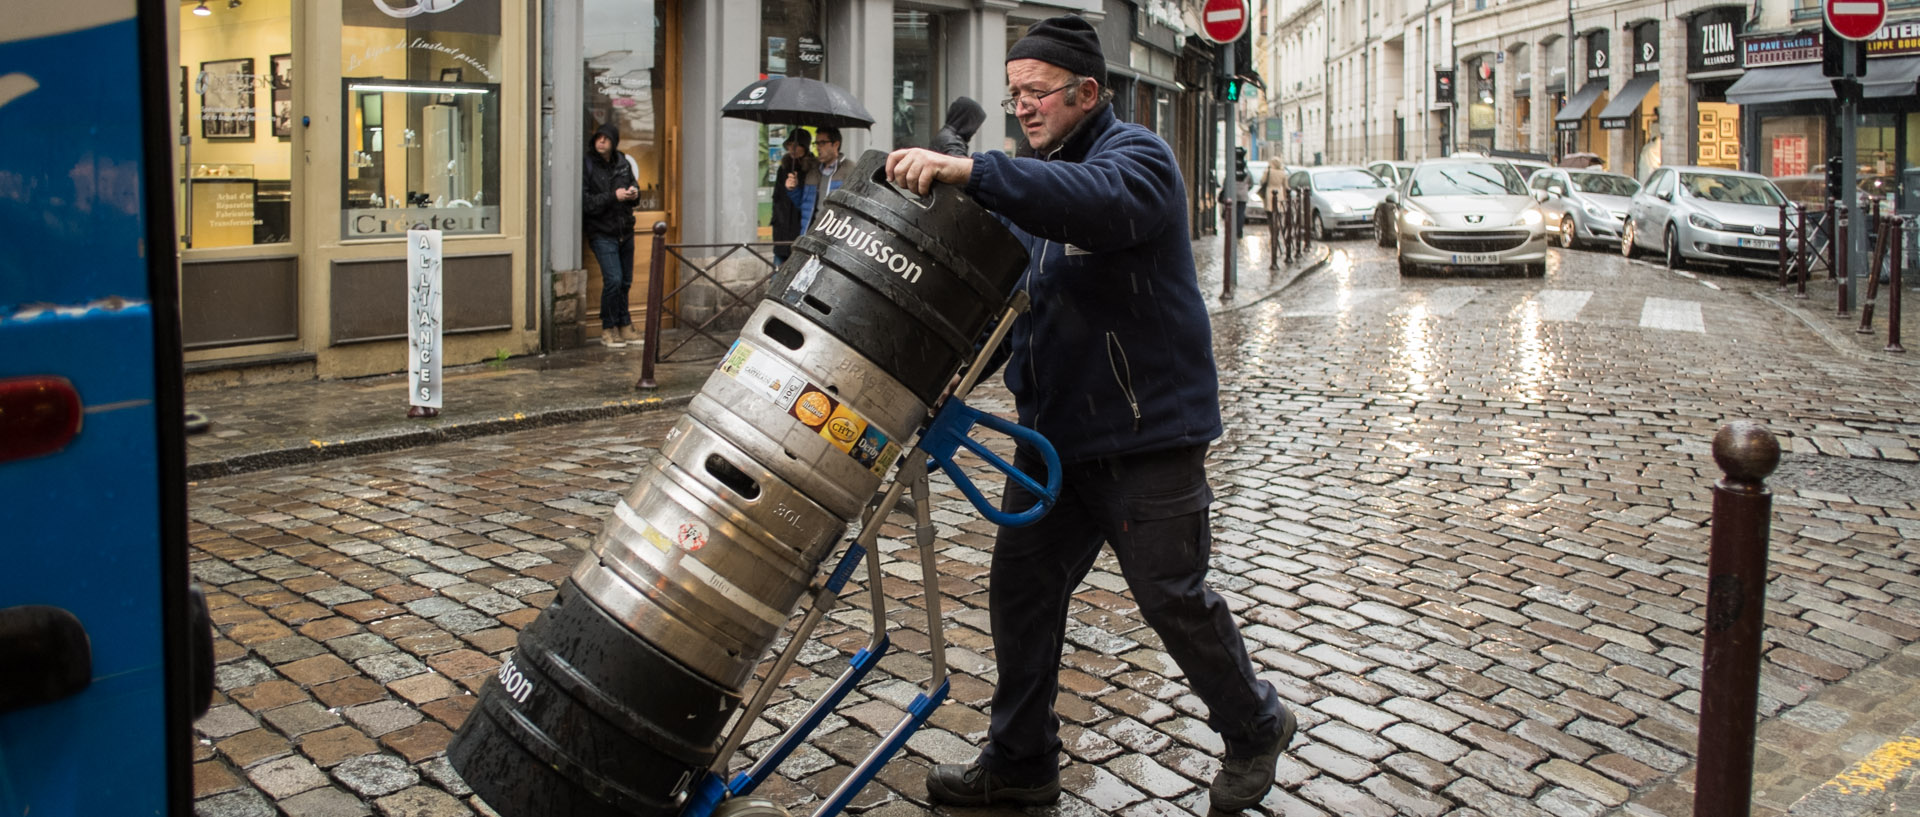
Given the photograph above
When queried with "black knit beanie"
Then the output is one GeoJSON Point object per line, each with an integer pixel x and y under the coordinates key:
{"type": "Point", "coordinates": [1068, 41]}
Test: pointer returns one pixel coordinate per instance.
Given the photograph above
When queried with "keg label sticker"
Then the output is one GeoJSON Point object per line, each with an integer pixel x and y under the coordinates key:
{"type": "Point", "coordinates": [767, 374]}
{"type": "Point", "coordinates": [869, 244]}
{"type": "Point", "coordinates": [843, 428]}
{"type": "Point", "coordinates": [814, 407]}
{"type": "Point", "coordinates": [803, 280]}
{"type": "Point", "coordinates": [810, 404]}
{"type": "Point", "coordinates": [693, 535]}
{"type": "Point", "coordinates": [874, 451]}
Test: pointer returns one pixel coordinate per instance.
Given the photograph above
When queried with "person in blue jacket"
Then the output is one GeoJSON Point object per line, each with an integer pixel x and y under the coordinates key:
{"type": "Point", "coordinates": [1113, 363]}
{"type": "Point", "coordinates": [830, 170]}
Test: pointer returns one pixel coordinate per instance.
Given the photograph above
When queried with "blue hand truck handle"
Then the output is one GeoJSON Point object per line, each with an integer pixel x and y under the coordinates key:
{"type": "Point", "coordinates": [948, 433]}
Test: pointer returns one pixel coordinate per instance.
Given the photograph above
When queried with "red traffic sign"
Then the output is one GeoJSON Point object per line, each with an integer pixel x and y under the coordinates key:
{"type": "Point", "coordinates": [1223, 21]}
{"type": "Point", "coordinates": [1855, 19]}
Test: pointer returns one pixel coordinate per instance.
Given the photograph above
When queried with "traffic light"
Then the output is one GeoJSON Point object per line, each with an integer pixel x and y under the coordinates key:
{"type": "Point", "coordinates": [1443, 85]}
{"type": "Point", "coordinates": [1832, 55]}
{"type": "Point", "coordinates": [1233, 89]}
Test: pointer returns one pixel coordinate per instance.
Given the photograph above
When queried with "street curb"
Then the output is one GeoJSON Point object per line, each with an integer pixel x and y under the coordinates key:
{"type": "Point", "coordinates": [1827, 333]}
{"type": "Point", "coordinates": [380, 442]}
{"type": "Point", "coordinates": [1296, 273]}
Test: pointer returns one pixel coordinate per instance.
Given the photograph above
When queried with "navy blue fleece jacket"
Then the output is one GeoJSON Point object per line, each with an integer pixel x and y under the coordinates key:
{"type": "Point", "coordinates": [1115, 355]}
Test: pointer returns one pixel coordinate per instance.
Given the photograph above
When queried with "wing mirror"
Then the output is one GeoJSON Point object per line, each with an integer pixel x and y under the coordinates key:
{"type": "Point", "coordinates": [1556, 190]}
{"type": "Point", "coordinates": [1539, 195]}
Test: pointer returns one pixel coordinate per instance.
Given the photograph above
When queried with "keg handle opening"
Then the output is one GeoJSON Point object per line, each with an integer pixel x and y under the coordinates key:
{"type": "Point", "coordinates": [923, 202]}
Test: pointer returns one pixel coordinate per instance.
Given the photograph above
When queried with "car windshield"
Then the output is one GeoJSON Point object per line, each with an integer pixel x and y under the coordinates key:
{"type": "Point", "coordinates": [1731, 189]}
{"type": "Point", "coordinates": [1604, 184]}
{"type": "Point", "coordinates": [1346, 180]}
{"type": "Point", "coordinates": [1467, 179]}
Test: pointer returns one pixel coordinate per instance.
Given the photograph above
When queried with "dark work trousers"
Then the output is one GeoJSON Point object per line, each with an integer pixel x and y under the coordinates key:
{"type": "Point", "coordinates": [616, 278]}
{"type": "Point", "coordinates": [1152, 508]}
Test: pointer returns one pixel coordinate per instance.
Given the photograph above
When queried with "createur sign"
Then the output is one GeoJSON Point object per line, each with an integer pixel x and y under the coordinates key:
{"type": "Point", "coordinates": [423, 318]}
{"type": "Point", "coordinates": [388, 222]}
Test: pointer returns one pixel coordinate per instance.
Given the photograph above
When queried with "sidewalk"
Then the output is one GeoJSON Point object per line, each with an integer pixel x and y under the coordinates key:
{"type": "Point", "coordinates": [275, 425]}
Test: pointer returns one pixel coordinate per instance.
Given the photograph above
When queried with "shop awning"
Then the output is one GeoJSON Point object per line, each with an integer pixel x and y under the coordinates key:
{"type": "Point", "coordinates": [1892, 76]}
{"type": "Point", "coordinates": [1781, 83]}
{"type": "Point", "coordinates": [1886, 77]}
{"type": "Point", "coordinates": [1576, 109]}
{"type": "Point", "coordinates": [1626, 105]}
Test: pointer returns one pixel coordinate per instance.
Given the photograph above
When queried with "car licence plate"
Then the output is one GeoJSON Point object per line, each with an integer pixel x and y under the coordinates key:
{"type": "Point", "coordinates": [1760, 243]}
{"type": "Point", "coordinates": [1476, 258]}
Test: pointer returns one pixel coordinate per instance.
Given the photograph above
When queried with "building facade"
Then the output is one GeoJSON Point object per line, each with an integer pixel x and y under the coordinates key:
{"type": "Point", "coordinates": [314, 135]}
{"type": "Point", "coordinates": [1637, 83]}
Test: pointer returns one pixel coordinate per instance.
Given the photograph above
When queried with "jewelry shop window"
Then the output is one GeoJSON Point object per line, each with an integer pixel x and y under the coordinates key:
{"type": "Point", "coordinates": [235, 87]}
{"type": "Point", "coordinates": [420, 92]}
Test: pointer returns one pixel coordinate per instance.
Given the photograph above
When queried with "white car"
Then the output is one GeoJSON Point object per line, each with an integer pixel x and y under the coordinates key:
{"type": "Point", "coordinates": [1707, 214]}
{"type": "Point", "coordinates": [1464, 214]}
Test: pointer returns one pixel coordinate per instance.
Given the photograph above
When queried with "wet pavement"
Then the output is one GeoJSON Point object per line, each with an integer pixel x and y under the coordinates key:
{"type": "Point", "coordinates": [1464, 521]}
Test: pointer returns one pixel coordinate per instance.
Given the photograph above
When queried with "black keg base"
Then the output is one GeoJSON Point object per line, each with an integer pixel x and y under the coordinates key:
{"type": "Point", "coordinates": [588, 719]}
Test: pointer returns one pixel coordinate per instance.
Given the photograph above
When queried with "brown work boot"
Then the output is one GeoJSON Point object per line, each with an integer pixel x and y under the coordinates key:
{"type": "Point", "coordinates": [1243, 781]}
{"type": "Point", "coordinates": [630, 333]}
{"type": "Point", "coordinates": [610, 338]}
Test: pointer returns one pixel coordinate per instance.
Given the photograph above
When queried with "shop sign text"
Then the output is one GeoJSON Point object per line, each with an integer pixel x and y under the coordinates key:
{"type": "Point", "coordinates": [391, 222]}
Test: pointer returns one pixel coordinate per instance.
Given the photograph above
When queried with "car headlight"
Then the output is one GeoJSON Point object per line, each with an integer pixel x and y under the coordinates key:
{"type": "Point", "coordinates": [1342, 207]}
{"type": "Point", "coordinates": [1529, 217]}
{"type": "Point", "coordinates": [1704, 222]}
{"type": "Point", "coordinates": [1598, 212]}
{"type": "Point", "coordinates": [1415, 218]}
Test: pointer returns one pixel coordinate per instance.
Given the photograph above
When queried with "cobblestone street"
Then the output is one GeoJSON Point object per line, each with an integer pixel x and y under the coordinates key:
{"type": "Point", "coordinates": [1464, 521]}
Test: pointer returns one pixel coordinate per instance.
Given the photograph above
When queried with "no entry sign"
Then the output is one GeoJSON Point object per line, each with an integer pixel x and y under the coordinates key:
{"type": "Point", "coordinates": [1855, 19]}
{"type": "Point", "coordinates": [1223, 21]}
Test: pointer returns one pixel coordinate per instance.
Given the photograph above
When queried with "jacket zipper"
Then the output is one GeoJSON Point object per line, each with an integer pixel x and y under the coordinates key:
{"type": "Point", "coordinates": [1125, 379]}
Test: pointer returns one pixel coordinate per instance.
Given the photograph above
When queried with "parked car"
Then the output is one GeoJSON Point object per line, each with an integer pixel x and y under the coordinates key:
{"type": "Point", "coordinates": [1343, 198]}
{"type": "Point", "coordinates": [1706, 214]}
{"type": "Point", "coordinates": [1257, 206]}
{"type": "Point", "coordinates": [1467, 213]}
{"type": "Point", "coordinates": [1528, 167]}
{"type": "Point", "coordinates": [1393, 173]}
{"type": "Point", "coordinates": [1583, 205]}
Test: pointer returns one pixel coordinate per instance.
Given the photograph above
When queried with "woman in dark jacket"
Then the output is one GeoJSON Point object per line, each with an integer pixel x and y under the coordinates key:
{"type": "Point", "coordinates": [786, 192]}
{"type": "Point", "coordinates": [611, 194]}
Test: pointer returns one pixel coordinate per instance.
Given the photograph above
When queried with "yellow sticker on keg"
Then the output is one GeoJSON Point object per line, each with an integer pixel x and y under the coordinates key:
{"type": "Point", "coordinates": [843, 428]}
{"type": "Point", "coordinates": [811, 405]}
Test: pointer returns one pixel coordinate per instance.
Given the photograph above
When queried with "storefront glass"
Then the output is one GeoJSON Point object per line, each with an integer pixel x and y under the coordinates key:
{"type": "Point", "coordinates": [1791, 152]}
{"type": "Point", "coordinates": [795, 47]}
{"type": "Point", "coordinates": [917, 107]}
{"type": "Point", "coordinates": [236, 97]}
{"type": "Point", "coordinates": [421, 120]}
{"type": "Point", "coordinates": [1876, 156]}
{"type": "Point", "coordinates": [625, 48]}
{"type": "Point", "coordinates": [1910, 168]}
{"type": "Point", "coordinates": [1717, 140]}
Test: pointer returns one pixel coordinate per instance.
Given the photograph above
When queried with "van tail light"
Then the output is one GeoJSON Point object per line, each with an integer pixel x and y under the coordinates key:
{"type": "Point", "coordinates": [38, 415]}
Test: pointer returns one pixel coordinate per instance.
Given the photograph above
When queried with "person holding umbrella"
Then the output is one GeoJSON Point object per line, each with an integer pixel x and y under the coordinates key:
{"type": "Point", "coordinates": [1101, 207]}
{"type": "Point", "coordinates": [829, 171]}
{"type": "Point", "coordinates": [794, 166]}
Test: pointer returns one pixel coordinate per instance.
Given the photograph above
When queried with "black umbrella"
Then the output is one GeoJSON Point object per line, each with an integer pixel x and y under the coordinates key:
{"type": "Point", "coordinates": [798, 101]}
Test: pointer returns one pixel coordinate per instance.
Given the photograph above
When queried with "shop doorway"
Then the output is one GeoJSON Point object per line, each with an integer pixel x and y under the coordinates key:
{"type": "Point", "coordinates": [631, 50]}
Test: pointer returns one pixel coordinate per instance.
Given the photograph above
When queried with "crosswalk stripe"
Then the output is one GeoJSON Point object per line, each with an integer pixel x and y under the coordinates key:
{"type": "Point", "coordinates": [1337, 303]}
{"type": "Point", "coordinates": [1563, 304]}
{"type": "Point", "coordinates": [1445, 300]}
{"type": "Point", "coordinates": [1672, 315]}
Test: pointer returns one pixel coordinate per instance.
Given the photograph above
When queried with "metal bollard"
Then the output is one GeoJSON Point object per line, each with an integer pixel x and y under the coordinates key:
{"type": "Point", "coordinates": [1843, 226]}
{"type": "Point", "coordinates": [656, 268]}
{"type": "Point", "coordinates": [1736, 599]}
{"type": "Point", "coordinates": [1879, 256]}
{"type": "Point", "coordinates": [1785, 270]}
{"type": "Point", "coordinates": [1802, 258]}
{"type": "Point", "coordinates": [1893, 284]}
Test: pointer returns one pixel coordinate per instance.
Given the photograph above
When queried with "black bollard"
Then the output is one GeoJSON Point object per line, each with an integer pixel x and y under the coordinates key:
{"type": "Point", "coordinates": [1736, 600]}
{"type": "Point", "coordinates": [1803, 258]}
{"type": "Point", "coordinates": [1893, 284]}
{"type": "Point", "coordinates": [656, 280]}
{"type": "Point", "coordinates": [1785, 268]}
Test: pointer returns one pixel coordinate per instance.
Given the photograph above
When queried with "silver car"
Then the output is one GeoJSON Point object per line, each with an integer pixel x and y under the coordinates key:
{"type": "Point", "coordinates": [1343, 198]}
{"type": "Point", "coordinates": [1583, 206]}
{"type": "Point", "coordinates": [1706, 214]}
{"type": "Point", "coordinates": [1466, 213]}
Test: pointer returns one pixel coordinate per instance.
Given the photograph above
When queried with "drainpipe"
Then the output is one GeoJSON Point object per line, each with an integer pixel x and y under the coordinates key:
{"type": "Point", "coordinates": [1572, 78]}
{"type": "Point", "coordinates": [1366, 78]}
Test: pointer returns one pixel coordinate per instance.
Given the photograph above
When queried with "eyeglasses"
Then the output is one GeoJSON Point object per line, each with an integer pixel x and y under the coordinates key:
{"type": "Point", "coordinates": [1012, 103]}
